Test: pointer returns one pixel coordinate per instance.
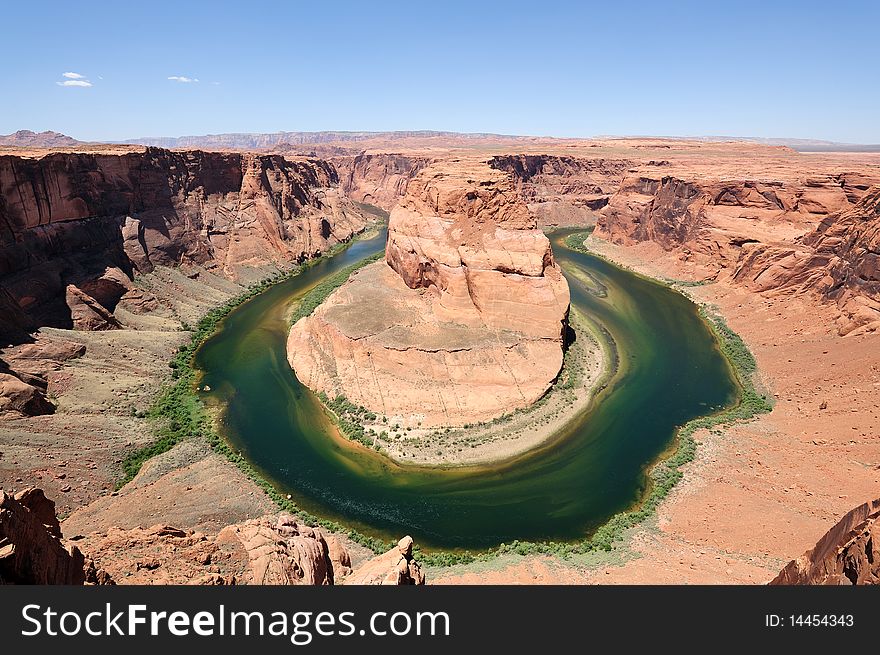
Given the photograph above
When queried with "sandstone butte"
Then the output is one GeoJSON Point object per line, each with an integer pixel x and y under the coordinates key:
{"type": "Point", "coordinates": [463, 321]}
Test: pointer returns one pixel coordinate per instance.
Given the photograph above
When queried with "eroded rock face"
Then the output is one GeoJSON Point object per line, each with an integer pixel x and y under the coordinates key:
{"type": "Point", "coordinates": [396, 567]}
{"type": "Point", "coordinates": [462, 322]}
{"type": "Point", "coordinates": [379, 179]}
{"type": "Point", "coordinates": [718, 216]}
{"type": "Point", "coordinates": [848, 554]}
{"type": "Point", "coordinates": [31, 549]}
{"type": "Point", "coordinates": [77, 226]}
{"type": "Point", "coordinates": [283, 552]}
{"type": "Point", "coordinates": [839, 260]}
{"type": "Point", "coordinates": [564, 190]}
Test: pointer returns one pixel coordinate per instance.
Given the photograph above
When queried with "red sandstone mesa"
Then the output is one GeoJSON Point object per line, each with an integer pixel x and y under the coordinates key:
{"type": "Point", "coordinates": [462, 322]}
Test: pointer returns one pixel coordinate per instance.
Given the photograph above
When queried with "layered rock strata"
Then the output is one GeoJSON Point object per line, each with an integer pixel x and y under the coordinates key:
{"type": "Point", "coordinates": [563, 190]}
{"type": "Point", "coordinates": [379, 179]}
{"type": "Point", "coordinates": [848, 554]}
{"type": "Point", "coordinates": [76, 227]}
{"type": "Point", "coordinates": [462, 322]}
{"type": "Point", "coordinates": [839, 261]}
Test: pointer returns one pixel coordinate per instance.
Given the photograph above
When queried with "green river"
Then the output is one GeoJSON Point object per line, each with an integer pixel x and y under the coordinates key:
{"type": "Point", "coordinates": [670, 370]}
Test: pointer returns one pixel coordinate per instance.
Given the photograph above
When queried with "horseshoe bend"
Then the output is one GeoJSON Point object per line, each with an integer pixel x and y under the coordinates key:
{"type": "Point", "coordinates": [537, 355]}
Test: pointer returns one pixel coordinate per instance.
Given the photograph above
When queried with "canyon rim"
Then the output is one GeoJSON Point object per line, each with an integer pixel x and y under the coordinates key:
{"type": "Point", "coordinates": [112, 253]}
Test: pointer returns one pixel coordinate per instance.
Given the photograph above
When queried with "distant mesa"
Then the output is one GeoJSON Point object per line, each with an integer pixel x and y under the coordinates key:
{"type": "Point", "coordinates": [28, 139]}
{"type": "Point", "coordinates": [249, 141]}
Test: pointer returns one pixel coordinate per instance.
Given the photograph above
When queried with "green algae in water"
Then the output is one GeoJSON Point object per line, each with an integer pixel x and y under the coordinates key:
{"type": "Point", "coordinates": [670, 371]}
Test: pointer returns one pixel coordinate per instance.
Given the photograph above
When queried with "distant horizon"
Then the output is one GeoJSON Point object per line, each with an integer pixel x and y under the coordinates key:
{"type": "Point", "coordinates": [772, 140]}
{"type": "Point", "coordinates": [559, 70]}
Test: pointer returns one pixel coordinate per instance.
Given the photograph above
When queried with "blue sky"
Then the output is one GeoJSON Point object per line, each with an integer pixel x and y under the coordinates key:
{"type": "Point", "coordinates": [785, 69]}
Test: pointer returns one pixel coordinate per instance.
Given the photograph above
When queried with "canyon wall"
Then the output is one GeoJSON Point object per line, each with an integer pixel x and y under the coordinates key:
{"type": "Point", "coordinates": [462, 322]}
{"type": "Point", "coordinates": [817, 235]}
{"type": "Point", "coordinates": [839, 261]}
{"type": "Point", "coordinates": [848, 554]}
{"type": "Point", "coordinates": [75, 227]}
{"type": "Point", "coordinates": [564, 190]}
{"type": "Point", "coordinates": [711, 214]}
{"type": "Point", "coordinates": [378, 179]}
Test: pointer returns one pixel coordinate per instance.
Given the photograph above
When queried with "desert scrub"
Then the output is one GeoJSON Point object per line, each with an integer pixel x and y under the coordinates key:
{"type": "Point", "coordinates": [178, 413]}
{"type": "Point", "coordinates": [319, 293]}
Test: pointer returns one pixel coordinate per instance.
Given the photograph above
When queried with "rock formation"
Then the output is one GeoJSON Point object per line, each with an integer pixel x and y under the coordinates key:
{"type": "Point", "coordinates": [25, 371]}
{"type": "Point", "coordinates": [396, 567]}
{"type": "Point", "coordinates": [283, 552]}
{"type": "Point", "coordinates": [31, 548]}
{"type": "Point", "coordinates": [710, 214]}
{"type": "Point", "coordinates": [21, 397]}
{"type": "Point", "coordinates": [564, 190]}
{"type": "Point", "coordinates": [29, 139]}
{"type": "Point", "coordinates": [76, 226]}
{"type": "Point", "coordinates": [848, 554]}
{"type": "Point", "coordinates": [462, 322]}
{"type": "Point", "coordinates": [839, 261]}
{"type": "Point", "coordinates": [379, 179]}
{"type": "Point", "coordinates": [272, 550]}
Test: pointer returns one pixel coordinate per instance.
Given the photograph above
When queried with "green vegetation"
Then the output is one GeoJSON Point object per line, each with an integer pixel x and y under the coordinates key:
{"type": "Point", "coordinates": [349, 418]}
{"type": "Point", "coordinates": [179, 414]}
{"type": "Point", "coordinates": [318, 294]}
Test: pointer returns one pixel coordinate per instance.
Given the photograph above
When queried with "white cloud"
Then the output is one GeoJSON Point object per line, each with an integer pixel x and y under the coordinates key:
{"type": "Point", "coordinates": [73, 76]}
{"type": "Point", "coordinates": [181, 78]}
{"type": "Point", "coordinates": [74, 83]}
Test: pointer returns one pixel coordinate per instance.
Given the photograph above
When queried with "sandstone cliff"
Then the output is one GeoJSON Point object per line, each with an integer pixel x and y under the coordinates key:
{"type": "Point", "coordinates": [714, 216]}
{"type": "Point", "coordinates": [462, 322]}
{"type": "Point", "coordinates": [379, 179]}
{"type": "Point", "coordinates": [839, 261]}
{"type": "Point", "coordinates": [562, 190]}
{"type": "Point", "coordinates": [31, 547]}
{"type": "Point", "coordinates": [848, 554]}
{"type": "Point", "coordinates": [75, 227]}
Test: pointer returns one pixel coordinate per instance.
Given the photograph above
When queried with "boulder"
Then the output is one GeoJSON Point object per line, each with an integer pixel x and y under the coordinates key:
{"type": "Point", "coordinates": [22, 398]}
{"type": "Point", "coordinates": [848, 554]}
{"type": "Point", "coordinates": [396, 567]}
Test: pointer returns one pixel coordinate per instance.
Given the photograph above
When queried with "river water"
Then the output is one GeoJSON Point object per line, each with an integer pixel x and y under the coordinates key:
{"type": "Point", "coordinates": [670, 370]}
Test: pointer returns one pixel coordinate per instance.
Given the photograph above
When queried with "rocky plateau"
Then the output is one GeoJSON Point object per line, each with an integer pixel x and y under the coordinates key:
{"type": "Point", "coordinates": [108, 253]}
{"type": "Point", "coordinates": [463, 321]}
